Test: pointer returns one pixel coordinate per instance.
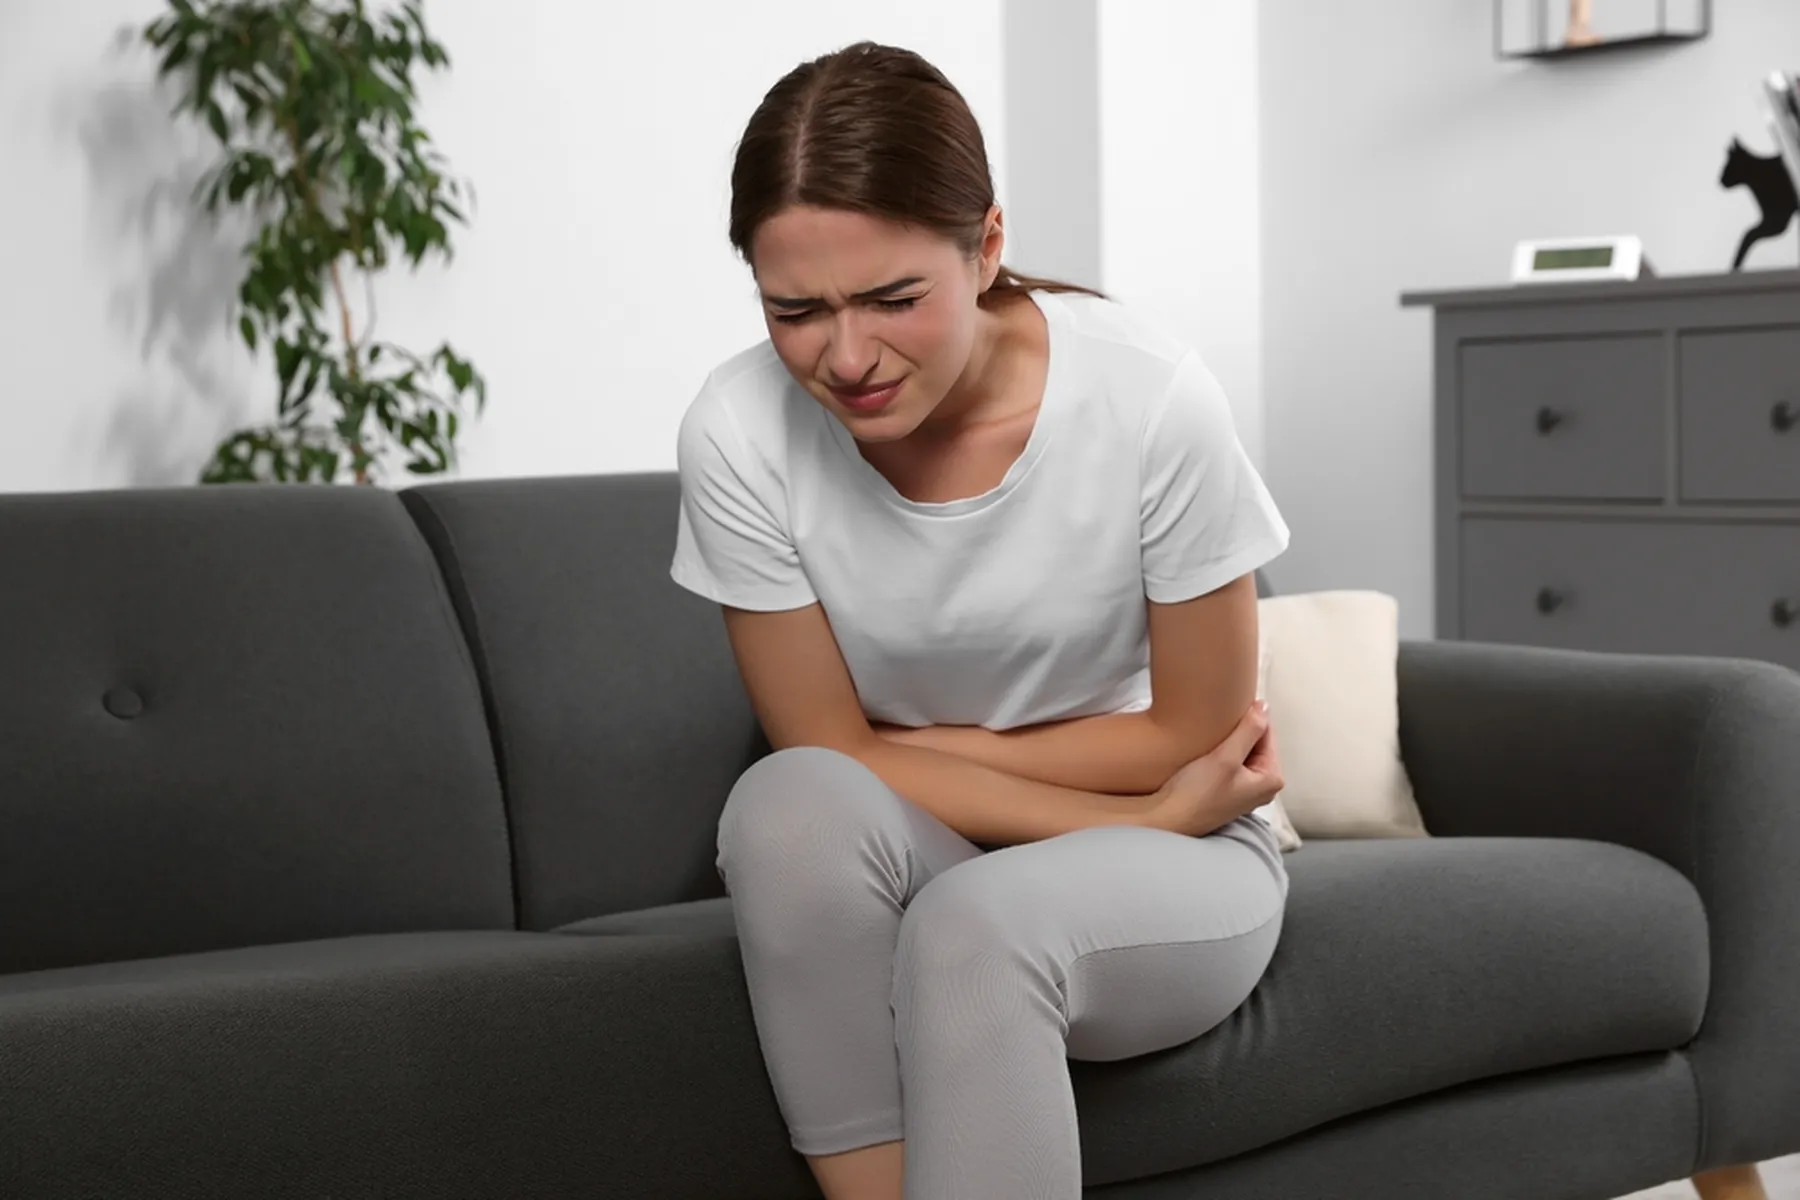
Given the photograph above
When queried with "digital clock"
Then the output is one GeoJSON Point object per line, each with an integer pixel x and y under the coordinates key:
{"type": "Point", "coordinates": [1573, 260]}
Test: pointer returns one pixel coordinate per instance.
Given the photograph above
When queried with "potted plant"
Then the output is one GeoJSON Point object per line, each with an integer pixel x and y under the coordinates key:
{"type": "Point", "coordinates": [313, 106]}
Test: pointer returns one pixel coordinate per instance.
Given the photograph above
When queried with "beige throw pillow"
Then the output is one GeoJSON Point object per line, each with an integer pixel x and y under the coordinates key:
{"type": "Point", "coordinates": [1273, 812]}
{"type": "Point", "coordinates": [1333, 695]}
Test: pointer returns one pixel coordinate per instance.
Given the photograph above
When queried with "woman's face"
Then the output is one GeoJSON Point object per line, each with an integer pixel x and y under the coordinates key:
{"type": "Point", "coordinates": [875, 320]}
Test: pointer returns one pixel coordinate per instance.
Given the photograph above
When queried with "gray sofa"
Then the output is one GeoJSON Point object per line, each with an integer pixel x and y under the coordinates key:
{"type": "Point", "coordinates": [360, 844]}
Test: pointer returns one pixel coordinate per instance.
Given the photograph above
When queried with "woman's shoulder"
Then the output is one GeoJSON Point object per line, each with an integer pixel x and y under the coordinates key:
{"type": "Point", "coordinates": [1120, 330]}
{"type": "Point", "coordinates": [1124, 356]}
{"type": "Point", "coordinates": [750, 377]}
{"type": "Point", "coordinates": [750, 392]}
{"type": "Point", "coordinates": [738, 420]}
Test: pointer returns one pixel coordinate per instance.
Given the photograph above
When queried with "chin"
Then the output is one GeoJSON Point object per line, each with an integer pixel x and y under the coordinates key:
{"type": "Point", "coordinates": [878, 433]}
{"type": "Point", "coordinates": [890, 425]}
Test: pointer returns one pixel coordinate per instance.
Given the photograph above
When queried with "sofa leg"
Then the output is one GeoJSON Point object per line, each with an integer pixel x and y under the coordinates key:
{"type": "Point", "coordinates": [1730, 1183]}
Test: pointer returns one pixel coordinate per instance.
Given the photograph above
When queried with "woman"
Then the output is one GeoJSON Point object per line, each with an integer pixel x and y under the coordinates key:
{"type": "Point", "coordinates": [964, 525]}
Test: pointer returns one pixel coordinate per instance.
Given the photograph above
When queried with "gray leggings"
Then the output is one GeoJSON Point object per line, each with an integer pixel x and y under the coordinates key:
{"type": "Point", "coordinates": [887, 956]}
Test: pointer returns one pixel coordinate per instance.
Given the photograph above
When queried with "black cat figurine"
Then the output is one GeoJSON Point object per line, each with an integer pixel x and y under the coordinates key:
{"type": "Point", "coordinates": [1769, 181]}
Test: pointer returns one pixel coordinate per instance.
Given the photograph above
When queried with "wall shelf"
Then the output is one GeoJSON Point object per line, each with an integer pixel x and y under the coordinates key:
{"type": "Point", "coordinates": [1537, 29]}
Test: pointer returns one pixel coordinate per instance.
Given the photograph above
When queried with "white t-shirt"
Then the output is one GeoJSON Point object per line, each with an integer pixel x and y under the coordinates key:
{"type": "Point", "coordinates": [1022, 605]}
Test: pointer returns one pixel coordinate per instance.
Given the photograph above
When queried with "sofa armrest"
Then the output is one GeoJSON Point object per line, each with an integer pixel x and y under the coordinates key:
{"type": "Point", "coordinates": [1693, 760]}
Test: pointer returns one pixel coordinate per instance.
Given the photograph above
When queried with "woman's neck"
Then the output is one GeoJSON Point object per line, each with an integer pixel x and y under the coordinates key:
{"type": "Point", "coordinates": [1009, 337]}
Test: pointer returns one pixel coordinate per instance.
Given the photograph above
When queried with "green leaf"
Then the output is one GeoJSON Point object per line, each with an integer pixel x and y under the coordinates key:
{"type": "Point", "coordinates": [247, 328]}
{"type": "Point", "coordinates": [287, 364]}
{"type": "Point", "coordinates": [172, 61]}
{"type": "Point", "coordinates": [241, 180]}
{"type": "Point", "coordinates": [461, 373]}
{"type": "Point", "coordinates": [215, 117]}
{"type": "Point", "coordinates": [308, 385]}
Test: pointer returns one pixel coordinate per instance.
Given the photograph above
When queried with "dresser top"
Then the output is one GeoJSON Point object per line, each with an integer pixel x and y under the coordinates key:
{"type": "Point", "coordinates": [1655, 287]}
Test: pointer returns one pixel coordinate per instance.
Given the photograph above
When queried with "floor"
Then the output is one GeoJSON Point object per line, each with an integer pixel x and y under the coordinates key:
{"type": "Point", "coordinates": [1781, 1179]}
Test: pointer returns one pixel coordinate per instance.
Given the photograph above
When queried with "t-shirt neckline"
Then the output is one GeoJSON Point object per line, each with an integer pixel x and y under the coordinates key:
{"type": "Point", "coordinates": [1042, 431]}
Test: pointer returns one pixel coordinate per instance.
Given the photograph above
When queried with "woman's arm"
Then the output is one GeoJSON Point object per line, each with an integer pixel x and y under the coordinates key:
{"type": "Point", "coordinates": [803, 696]}
{"type": "Point", "coordinates": [1115, 753]}
{"type": "Point", "coordinates": [1202, 679]}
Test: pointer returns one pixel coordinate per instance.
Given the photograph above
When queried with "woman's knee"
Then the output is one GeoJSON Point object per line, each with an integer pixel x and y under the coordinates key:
{"type": "Point", "coordinates": [800, 804]}
{"type": "Point", "coordinates": [965, 923]}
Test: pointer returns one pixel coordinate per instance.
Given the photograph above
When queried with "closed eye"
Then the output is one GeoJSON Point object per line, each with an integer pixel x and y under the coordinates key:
{"type": "Point", "coordinates": [900, 304]}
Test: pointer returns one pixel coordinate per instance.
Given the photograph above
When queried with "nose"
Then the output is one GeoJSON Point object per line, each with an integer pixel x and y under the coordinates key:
{"type": "Point", "coordinates": [852, 354]}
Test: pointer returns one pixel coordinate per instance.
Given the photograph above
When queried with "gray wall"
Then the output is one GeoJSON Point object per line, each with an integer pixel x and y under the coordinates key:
{"type": "Point", "coordinates": [1398, 154]}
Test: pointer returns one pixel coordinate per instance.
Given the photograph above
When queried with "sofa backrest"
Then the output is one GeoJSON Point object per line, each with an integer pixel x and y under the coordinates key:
{"type": "Point", "coordinates": [618, 717]}
{"type": "Point", "coordinates": [229, 716]}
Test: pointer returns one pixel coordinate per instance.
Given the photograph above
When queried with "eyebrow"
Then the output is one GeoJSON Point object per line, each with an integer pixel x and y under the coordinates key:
{"type": "Point", "coordinates": [874, 293]}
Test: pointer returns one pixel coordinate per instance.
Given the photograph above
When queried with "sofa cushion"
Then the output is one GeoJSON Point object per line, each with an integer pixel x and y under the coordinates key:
{"type": "Point", "coordinates": [233, 715]}
{"type": "Point", "coordinates": [1405, 967]}
{"type": "Point", "coordinates": [1588, 1130]}
{"type": "Point", "coordinates": [459, 1066]}
{"type": "Point", "coordinates": [619, 719]}
{"type": "Point", "coordinates": [698, 918]}
{"type": "Point", "coordinates": [1333, 693]}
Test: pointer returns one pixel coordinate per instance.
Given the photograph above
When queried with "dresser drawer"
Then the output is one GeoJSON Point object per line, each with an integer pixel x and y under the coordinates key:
{"type": "Point", "coordinates": [1740, 416]}
{"type": "Point", "coordinates": [1567, 418]}
{"type": "Point", "coordinates": [1667, 588]}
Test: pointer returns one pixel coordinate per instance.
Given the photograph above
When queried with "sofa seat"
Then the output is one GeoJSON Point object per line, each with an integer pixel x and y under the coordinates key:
{"type": "Point", "coordinates": [1405, 967]}
{"type": "Point", "coordinates": [445, 1064]}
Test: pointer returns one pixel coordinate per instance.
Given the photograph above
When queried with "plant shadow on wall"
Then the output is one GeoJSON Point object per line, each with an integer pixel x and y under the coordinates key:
{"type": "Point", "coordinates": [317, 152]}
{"type": "Point", "coordinates": [175, 273]}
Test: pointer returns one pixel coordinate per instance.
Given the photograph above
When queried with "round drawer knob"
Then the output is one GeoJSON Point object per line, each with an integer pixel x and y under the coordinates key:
{"type": "Point", "coordinates": [1548, 419]}
{"type": "Point", "coordinates": [1784, 612]}
{"type": "Point", "coordinates": [1549, 600]}
{"type": "Point", "coordinates": [1784, 416]}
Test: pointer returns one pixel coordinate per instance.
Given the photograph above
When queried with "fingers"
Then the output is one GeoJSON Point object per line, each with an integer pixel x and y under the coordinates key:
{"type": "Point", "coordinates": [1264, 761]}
{"type": "Point", "coordinates": [1264, 754]}
{"type": "Point", "coordinates": [1249, 730]}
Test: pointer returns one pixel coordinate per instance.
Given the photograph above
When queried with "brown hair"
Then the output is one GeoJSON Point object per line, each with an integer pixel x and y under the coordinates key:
{"type": "Point", "coordinates": [877, 130]}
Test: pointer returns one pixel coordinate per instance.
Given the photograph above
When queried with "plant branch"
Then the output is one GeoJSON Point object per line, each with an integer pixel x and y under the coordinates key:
{"type": "Point", "coordinates": [370, 321]}
{"type": "Point", "coordinates": [309, 190]}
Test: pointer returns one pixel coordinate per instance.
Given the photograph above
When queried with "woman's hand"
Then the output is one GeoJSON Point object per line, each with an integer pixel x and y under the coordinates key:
{"type": "Point", "coordinates": [1241, 775]}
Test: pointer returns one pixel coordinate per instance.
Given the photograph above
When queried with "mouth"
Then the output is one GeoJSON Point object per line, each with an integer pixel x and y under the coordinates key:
{"type": "Point", "coordinates": [867, 399]}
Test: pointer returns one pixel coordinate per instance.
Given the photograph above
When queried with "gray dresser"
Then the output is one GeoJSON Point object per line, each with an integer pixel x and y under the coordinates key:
{"type": "Point", "coordinates": [1618, 465]}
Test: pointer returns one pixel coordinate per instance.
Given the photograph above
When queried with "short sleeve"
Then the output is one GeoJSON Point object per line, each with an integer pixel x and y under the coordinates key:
{"type": "Point", "coordinates": [1206, 516]}
{"type": "Point", "coordinates": [731, 544]}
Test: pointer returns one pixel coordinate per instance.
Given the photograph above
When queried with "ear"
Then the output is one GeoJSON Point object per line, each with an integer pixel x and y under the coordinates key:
{"type": "Point", "coordinates": [1737, 143]}
{"type": "Point", "coordinates": [993, 242]}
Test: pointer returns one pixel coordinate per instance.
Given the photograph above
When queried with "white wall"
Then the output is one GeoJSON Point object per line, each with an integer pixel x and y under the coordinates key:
{"type": "Point", "coordinates": [1053, 139]}
{"type": "Point", "coordinates": [594, 288]}
{"type": "Point", "coordinates": [1181, 201]}
{"type": "Point", "coordinates": [1398, 154]}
